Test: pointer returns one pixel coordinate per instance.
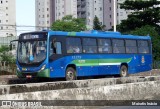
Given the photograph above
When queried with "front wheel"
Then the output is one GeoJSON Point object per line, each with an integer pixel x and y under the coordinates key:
{"type": "Point", "coordinates": [70, 74]}
{"type": "Point", "coordinates": [123, 71]}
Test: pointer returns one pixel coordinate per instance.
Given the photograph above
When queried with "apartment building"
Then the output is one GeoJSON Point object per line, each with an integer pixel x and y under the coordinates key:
{"type": "Point", "coordinates": [94, 8]}
{"type": "Point", "coordinates": [7, 18]}
{"type": "Point", "coordinates": [43, 14]}
{"type": "Point", "coordinates": [48, 11]}
{"type": "Point", "coordinates": [121, 14]}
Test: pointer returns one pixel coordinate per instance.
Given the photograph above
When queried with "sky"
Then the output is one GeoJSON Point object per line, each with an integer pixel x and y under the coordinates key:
{"type": "Point", "coordinates": [25, 15]}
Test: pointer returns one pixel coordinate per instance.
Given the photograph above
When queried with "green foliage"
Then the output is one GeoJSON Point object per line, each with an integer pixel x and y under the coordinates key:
{"type": "Point", "coordinates": [150, 30]}
{"type": "Point", "coordinates": [145, 13]}
{"type": "Point", "coordinates": [68, 23]}
{"type": "Point", "coordinates": [5, 55]}
{"type": "Point", "coordinates": [97, 25]}
{"type": "Point", "coordinates": [138, 4]}
{"type": "Point", "coordinates": [143, 21]}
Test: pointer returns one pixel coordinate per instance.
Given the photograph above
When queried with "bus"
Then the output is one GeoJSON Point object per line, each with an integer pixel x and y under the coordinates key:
{"type": "Point", "coordinates": [59, 54]}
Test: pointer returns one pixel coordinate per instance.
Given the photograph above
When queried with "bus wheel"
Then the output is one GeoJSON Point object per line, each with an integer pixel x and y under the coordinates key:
{"type": "Point", "coordinates": [70, 74]}
{"type": "Point", "coordinates": [123, 71]}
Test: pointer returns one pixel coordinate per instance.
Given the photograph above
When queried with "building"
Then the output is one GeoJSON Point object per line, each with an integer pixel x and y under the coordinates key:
{"type": "Point", "coordinates": [94, 8]}
{"type": "Point", "coordinates": [48, 11]}
{"type": "Point", "coordinates": [121, 14]}
{"type": "Point", "coordinates": [7, 18]}
{"type": "Point", "coordinates": [43, 14]}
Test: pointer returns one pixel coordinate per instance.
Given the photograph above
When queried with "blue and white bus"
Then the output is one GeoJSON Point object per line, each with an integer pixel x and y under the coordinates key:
{"type": "Point", "coordinates": [58, 54]}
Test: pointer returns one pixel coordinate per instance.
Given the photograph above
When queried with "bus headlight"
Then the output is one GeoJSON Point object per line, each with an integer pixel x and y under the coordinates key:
{"type": "Point", "coordinates": [43, 67]}
{"type": "Point", "coordinates": [18, 69]}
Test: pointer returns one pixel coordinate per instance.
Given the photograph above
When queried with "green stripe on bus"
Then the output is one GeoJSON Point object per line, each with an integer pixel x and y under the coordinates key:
{"type": "Point", "coordinates": [72, 34]}
{"type": "Point", "coordinates": [97, 62]}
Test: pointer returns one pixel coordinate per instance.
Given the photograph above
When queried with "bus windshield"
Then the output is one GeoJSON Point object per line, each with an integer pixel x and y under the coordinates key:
{"type": "Point", "coordinates": [32, 51]}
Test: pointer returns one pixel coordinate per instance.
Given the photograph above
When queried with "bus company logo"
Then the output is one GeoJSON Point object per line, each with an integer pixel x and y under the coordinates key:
{"type": "Point", "coordinates": [6, 104]}
{"type": "Point", "coordinates": [143, 59]}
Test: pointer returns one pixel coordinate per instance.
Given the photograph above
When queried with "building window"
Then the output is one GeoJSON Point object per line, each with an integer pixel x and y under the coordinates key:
{"type": "Point", "coordinates": [6, 20]}
{"type": "Point", "coordinates": [100, 8]}
{"type": "Point", "coordinates": [6, 8]}
{"type": "Point", "coordinates": [6, 14]}
{"type": "Point", "coordinates": [47, 15]}
{"type": "Point", "coordinates": [121, 13]}
{"type": "Point", "coordinates": [1, 2]}
{"type": "Point", "coordinates": [47, 9]}
{"type": "Point", "coordinates": [0, 21]}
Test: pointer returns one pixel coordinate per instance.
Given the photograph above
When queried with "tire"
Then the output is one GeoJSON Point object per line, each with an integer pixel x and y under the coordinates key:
{"type": "Point", "coordinates": [124, 71]}
{"type": "Point", "coordinates": [70, 74]}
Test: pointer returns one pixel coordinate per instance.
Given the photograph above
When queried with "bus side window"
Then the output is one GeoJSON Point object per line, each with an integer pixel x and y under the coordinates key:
{"type": "Point", "coordinates": [56, 48]}
{"type": "Point", "coordinates": [53, 46]}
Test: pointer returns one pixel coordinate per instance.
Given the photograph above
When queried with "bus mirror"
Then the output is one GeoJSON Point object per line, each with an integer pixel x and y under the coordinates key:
{"type": "Point", "coordinates": [10, 46]}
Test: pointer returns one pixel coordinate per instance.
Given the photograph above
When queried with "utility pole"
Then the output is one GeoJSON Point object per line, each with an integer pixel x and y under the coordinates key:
{"type": "Point", "coordinates": [115, 15]}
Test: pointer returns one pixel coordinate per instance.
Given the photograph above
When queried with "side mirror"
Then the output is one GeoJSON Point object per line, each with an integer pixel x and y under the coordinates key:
{"type": "Point", "coordinates": [10, 46]}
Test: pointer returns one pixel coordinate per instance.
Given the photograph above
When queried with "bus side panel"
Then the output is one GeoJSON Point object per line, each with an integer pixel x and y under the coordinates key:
{"type": "Point", "coordinates": [57, 68]}
{"type": "Point", "coordinates": [144, 63]}
{"type": "Point", "coordinates": [86, 65]}
{"type": "Point", "coordinates": [110, 64]}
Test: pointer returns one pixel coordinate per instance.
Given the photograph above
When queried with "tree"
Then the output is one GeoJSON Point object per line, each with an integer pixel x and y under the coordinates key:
{"type": "Point", "coordinates": [5, 55]}
{"type": "Point", "coordinates": [68, 23]}
{"type": "Point", "coordinates": [144, 13]}
{"type": "Point", "coordinates": [97, 25]}
{"type": "Point", "coordinates": [149, 30]}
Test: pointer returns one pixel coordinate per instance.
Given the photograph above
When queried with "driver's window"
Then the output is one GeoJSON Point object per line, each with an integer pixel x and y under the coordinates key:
{"type": "Point", "coordinates": [56, 47]}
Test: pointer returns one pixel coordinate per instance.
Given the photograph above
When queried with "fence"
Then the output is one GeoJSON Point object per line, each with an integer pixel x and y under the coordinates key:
{"type": "Point", "coordinates": [7, 68]}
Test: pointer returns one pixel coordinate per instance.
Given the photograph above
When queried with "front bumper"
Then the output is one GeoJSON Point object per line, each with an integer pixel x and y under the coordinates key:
{"type": "Point", "coordinates": [44, 74]}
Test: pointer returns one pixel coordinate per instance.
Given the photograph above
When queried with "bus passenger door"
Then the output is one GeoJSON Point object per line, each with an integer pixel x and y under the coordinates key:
{"type": "Point", "coordinates": [56, 60]}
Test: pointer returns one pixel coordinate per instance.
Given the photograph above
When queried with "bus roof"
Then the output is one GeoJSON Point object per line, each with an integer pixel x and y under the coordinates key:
{"type": "Point", "coordinates": [95, 33]}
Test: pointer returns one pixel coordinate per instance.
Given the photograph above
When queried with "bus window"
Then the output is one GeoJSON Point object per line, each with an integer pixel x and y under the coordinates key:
{"type": "Point", "coordinates": [118, 46]}
{"type": "Point", "coordinates": [74, 45]}
{"type": "Point", "coordinates": [131, 46]}
{"type": "Point", "coordinates": [143, 47]}
{"type": "Point", "coordinates": [104, 46]}
{"type": "Point", "coordinates": [89, 45]}
{"type": "Point", "coordinates": [56, 47]}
